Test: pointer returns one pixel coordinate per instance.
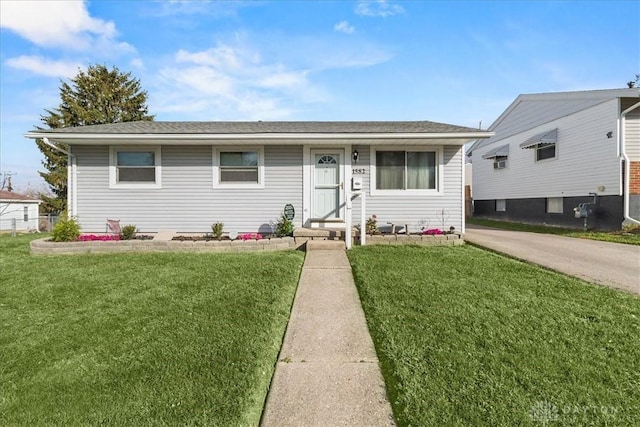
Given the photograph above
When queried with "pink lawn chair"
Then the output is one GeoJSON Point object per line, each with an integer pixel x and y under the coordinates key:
{"type": "Point", "coordinates": [113, 226]}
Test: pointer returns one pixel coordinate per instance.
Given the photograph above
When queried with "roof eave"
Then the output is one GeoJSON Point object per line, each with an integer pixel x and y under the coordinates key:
{"type": "Point", "coordinates": [20, 201]}
{"type": "Point", "coordinates": [451, 138]}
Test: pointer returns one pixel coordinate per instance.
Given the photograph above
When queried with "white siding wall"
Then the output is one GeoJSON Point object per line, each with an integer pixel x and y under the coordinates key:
{"type": "Point", "coordinates": [632, 139]}
{"type": "Point", "coordinates": [15, 210]}
{"type": "Point", "coordinates": [585, 159]}
{"type": "Point", "coordinates": [416, 210]}
{"type": "Point", "coordinates": [187, 201]}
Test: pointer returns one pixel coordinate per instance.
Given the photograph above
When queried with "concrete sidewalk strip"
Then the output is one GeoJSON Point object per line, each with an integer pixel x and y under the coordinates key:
{"type": "Point", "coordinates": [328, 372]}
{"type": "Point", "coordinates": [325, 322]}
{"type": "Point", "coordinates": [328, 394]}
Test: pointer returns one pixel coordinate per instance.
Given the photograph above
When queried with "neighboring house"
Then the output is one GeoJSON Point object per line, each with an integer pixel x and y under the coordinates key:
{"type": "Point", "coordinates": [23, 209]}
{"type": "Point", "coordinates": [185, 176]}
{"type": "Point", "coordinates": [553, 151]}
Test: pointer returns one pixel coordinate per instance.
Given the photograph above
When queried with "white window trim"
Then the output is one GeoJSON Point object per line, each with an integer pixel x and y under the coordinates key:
{"type": "Point", "coordinates": [438, 191]}
{"type": "Point", "coordinates": [144, 185]}
{"type": "Point", "coordinates": [502, 208]}
{"type": "Point", "coordinates": [216, 167]}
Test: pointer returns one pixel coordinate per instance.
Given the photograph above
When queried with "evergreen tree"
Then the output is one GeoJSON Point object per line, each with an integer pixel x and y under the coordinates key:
{"type": "Point", "coordinates": [97, 96]}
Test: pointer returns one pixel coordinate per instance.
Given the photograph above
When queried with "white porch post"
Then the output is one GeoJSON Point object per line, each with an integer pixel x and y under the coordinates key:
{"type": "Point", "coordinates": [363, 220]}
{"type": "Point", "coordinates": [348, 220]}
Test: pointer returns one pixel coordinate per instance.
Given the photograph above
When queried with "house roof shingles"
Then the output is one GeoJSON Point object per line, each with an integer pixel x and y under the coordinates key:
{"type": "Point", "coordinates": [10, 195]}
{"type": "Point", "coordinates": [259, 127]}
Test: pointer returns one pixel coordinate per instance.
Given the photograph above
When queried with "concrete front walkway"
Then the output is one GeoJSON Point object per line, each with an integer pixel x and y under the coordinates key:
{"type": "Point", "coordinates": [327, 373]}
{"type": "Point", "coordinates": [610, 264]}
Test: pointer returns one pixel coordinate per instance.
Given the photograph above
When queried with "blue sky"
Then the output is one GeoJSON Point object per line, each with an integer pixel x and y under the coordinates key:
{"type": "Point", "coordinates": [458, 62]}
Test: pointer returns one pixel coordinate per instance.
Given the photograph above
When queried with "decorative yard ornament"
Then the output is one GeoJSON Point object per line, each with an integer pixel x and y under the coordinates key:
{"type": "Point", "coordinates": [289, 212]}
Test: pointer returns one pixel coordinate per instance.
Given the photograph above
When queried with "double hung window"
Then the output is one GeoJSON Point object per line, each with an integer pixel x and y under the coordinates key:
{"type": "Point", "coordinates": [135, 167]}
{"type": "Point", "coordinates": [241, 167]}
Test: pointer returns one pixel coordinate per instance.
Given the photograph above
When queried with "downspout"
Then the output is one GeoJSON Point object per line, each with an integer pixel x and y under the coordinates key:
{"type": "Point", "coordinates": [464, 193]}
{"type": "Point", "coordinates": [72, 199]}
{"type": "Point", "coordinates": [627, 163]}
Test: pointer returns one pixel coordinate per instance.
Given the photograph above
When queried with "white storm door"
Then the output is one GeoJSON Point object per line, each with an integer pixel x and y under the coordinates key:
{"type": "Point", "coordinates": [327, 185]}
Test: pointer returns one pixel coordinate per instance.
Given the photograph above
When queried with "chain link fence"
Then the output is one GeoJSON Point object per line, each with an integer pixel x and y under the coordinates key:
{"type": "Point", "coordinates": [46, 222]}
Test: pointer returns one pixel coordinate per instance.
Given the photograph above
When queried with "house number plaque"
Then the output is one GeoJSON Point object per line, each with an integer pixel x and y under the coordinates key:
{"type": "Point", "coordinates": [289, 212]}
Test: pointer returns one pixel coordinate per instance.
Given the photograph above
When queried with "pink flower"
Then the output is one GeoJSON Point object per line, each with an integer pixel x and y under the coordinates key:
{"type": "Point", "coordinates": [93, 237]}
{"type": "Point", "coordinates": [250, 236]}
{"type": "Point", "coordinates": [432, 231]}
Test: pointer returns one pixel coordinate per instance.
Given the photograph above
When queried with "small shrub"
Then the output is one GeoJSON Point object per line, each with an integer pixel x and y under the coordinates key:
{"type": "Point", "coordinates": [372, 225]}
{"type": "Point", "coordinates": [128, 232]}
{"type": "Point", "coordinates": [284, 227]}
{"type": "Point", "coordinates": [217, 230]}
{"type": "Point", "coordinates": [66, 229]}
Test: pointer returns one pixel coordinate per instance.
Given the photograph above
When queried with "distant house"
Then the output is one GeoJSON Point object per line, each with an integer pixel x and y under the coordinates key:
{"type": "Point", "coordinates": [19, 208]}
{"type": "Point", "coordinates": [553, 151]}
{"type": "Point", "coordinates": [185, 176]}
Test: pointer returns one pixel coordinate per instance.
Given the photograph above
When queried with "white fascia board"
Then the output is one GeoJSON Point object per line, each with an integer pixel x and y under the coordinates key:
{"type": "Point", "coordinates": [13, 201]}
{"type": "Point", "coordinates": [265, 139]}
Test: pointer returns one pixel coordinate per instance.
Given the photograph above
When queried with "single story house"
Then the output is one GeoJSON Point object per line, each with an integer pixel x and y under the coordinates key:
{"type": "Point", "coordinates": [185, 176]}
{"type": "Point", "coordinates": [18, 209]}
{"type": "Point", "coordinates": [552, 152]}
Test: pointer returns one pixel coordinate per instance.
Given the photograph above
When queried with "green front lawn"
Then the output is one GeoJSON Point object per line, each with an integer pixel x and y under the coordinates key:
{"type": "Point", "coordinates": [140, 339]}
{"type": "Point", "coordinates": [468, 337]}
{"type": "Point", "coordinates": [613, 236]}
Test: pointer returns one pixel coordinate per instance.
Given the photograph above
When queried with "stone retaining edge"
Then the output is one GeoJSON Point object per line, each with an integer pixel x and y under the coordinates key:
{"type": "Point", "coordinates": [46, 247]}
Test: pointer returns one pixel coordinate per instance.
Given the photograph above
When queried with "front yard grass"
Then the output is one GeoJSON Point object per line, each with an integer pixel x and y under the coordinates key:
{"type": "Point", "coordinates": [140, 339]}
{"type": "Point", "coordinates": [468, 337]}
{"type": "Point", "coordinates": [613, 236]}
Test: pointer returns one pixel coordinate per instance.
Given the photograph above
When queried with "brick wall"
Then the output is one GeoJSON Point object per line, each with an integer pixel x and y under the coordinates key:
{"type": "Point", "coordinates": [634, 181]}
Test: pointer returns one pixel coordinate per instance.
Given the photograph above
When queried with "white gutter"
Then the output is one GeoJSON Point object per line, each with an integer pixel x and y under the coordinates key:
{"type": "Point", "coordinates": [627, 165]}
{"type": "Point", "coordinates": [72, 177]}
{"type": "Point", "coordinates": [262, 136]}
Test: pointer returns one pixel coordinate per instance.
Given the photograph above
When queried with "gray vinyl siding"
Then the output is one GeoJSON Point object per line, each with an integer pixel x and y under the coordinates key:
{"type": "Point", "coordinates": [632, 138]}
{"type": "Point", "coordinates": [415, 210]}
{"type": "Point", "coordinates": [187, 200]}
{"type": "Point", "coordinates": [585, 160]}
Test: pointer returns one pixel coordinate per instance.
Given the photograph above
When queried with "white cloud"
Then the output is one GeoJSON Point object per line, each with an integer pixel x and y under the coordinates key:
{"type": "Point", "coordinates": [65, 24]}
{"type": "Point", "coordinates": [230, 83]}
{"type": "Point", "coordinates": [137, 63]}
{"type": "Point", "coordinates": [44, 66]}
{"type": "Point", "coordinates": [344, 27]}
{"type": "Point", "coordinates": [378, 8]}
{"type": "Point", "coordinates": [217, 9]}
{"type": "Point", "coordinates": [272, 78]}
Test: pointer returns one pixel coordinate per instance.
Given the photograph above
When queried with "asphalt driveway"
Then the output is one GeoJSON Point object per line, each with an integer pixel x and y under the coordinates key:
{"type": "Point", "coordinates": [610, 264]}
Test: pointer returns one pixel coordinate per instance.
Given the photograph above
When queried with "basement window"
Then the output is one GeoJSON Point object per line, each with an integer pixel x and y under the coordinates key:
{"type": "Point", "coordinates": [555, 205]}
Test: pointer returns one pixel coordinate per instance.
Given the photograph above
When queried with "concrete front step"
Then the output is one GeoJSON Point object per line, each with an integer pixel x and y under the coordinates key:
{"type": "Point", "coordinates": [326, 245]}
{"type": "Point", "coordinates": [320, 233]}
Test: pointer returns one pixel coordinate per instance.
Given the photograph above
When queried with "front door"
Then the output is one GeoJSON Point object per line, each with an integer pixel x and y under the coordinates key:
{"type": "Point", "coordinates": [327, 185]}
